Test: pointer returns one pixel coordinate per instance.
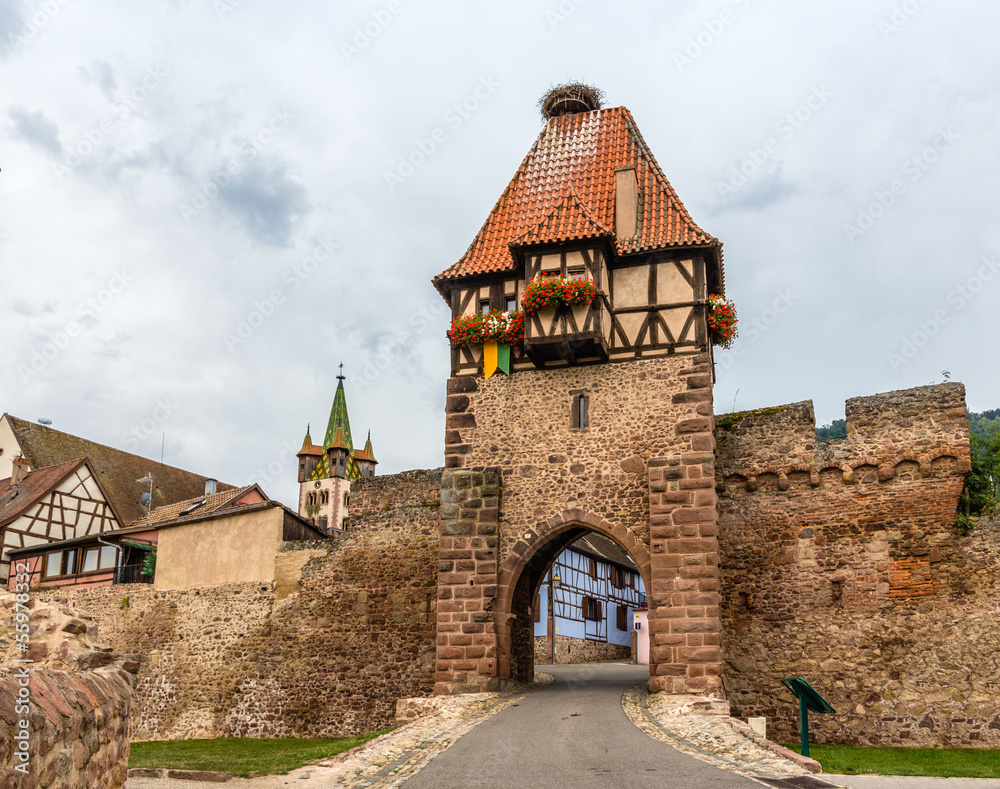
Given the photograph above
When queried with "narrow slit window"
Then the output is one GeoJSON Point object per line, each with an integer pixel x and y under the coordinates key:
{"type": "Point", "coordinates": [581, 412]}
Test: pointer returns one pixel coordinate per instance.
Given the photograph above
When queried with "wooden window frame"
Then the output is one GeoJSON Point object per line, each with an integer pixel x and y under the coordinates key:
{"type": "Point", "coordinates": [101, 553]}
{"type": "Point", "coordinates": [592, 609]}
{"type": "Point", "coordinates": [64, 571]}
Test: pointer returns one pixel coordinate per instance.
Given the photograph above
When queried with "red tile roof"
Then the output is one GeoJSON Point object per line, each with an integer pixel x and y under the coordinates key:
{"type": "Point", "coordinates": [565, 190]}
{"type": "Point", "coordinates": [36, 484]}
{"type": "Point", "coordinates": [367, 453]}
{"type": "Point", "coordinates": [197, 506]}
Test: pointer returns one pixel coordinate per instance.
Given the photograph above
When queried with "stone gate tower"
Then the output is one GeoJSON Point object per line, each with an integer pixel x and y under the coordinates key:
{"type": "Point", "coordinates": [603, 421]}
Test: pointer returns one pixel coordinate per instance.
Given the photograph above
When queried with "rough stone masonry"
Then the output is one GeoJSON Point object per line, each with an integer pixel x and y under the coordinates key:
{"type": "Point", "coordinates": [841, 563]}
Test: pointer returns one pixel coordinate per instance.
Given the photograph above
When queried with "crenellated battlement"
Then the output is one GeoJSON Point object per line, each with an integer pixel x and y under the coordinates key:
{"type": "Point", "coordinates": [906, 431]}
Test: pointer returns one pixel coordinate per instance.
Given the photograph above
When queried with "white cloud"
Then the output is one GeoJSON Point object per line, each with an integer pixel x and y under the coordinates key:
{"type": "Point", "coordinates": [181, 90]}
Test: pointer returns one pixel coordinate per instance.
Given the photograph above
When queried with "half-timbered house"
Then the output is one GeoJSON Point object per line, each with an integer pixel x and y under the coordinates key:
{"type": "Point", "coordinates": [585, 606]}
{"type": "Point", "coordinates": [118, 471]}
{"type": "Point", "coordinates": [220, 537]}
{"type": "Point", "coordinates": [61, 502]}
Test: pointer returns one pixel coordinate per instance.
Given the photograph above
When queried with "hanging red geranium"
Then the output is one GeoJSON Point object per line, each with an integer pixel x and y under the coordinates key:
{"type": "Point", "coordinates": [722, 321]}
{"type": "Point", "coordinates": [550, 289]}
{"type": "Point", "coordinates": [496, 326]}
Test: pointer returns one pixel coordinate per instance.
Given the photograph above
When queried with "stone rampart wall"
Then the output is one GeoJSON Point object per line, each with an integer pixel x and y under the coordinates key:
{"type": "Point", "coordinates": [346, 629]}
{"type": "Point", "coordinates": [840, 563]}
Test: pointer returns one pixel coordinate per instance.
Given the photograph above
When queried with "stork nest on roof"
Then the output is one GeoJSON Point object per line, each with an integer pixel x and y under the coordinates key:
{"type": "Point", "coordinates": [570, 98]}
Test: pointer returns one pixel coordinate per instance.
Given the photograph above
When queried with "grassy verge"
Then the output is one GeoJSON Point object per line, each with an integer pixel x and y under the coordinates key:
{"type": "Point", "coordinates": [934, 762]}
{"type": "Point", "coordinates": [241, 756]}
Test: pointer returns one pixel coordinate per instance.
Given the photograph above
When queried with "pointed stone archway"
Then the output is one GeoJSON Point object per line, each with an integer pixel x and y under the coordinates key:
{"type": "Point", "coordinates": [523, 570]}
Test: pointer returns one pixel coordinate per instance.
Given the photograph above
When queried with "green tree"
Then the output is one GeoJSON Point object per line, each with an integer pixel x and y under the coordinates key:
{"type": "Point", "coordinates": [836, 429]}
{"type": "Point", "coordinates": [982, 486]}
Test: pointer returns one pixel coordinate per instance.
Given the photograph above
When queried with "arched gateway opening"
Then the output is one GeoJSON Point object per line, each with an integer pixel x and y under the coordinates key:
{"type": "Point", "coordinates": [488, 574]}
{"type": "Point", "coordinates": [519, 606]}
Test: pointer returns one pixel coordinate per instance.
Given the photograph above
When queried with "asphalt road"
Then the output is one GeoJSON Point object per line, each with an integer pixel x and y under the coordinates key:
{"type": "Point", "coordinates": [572, 733]}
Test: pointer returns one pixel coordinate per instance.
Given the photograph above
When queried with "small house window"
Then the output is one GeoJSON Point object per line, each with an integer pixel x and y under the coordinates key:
{"type": "Point", "coordinates": [324, 497]}
{"type": "Point", "coordinates": [592, 609]}
{"type": "Point", "coordinates": [622, 617]}
{"type": "Point", "coordinates": [581, 412]}
{"type": "Point", "coordinates": [60, 563]}
{"type": "Point", "coordinates": [510, 304]}
{"type": "Point", "coordinates": [618, 577]}
{"type": "Point", "coordinates": [576, 272]}
{"type": "Point", "coordinates": [102, 558]}
{"type": "Point", "coordinates": [484, 306]}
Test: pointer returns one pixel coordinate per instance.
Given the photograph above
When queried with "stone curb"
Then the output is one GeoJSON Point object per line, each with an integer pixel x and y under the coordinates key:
{"type": "Point", "coordinates": [186, 775]}
{"type": "Point", "coordinates": [802, 761]}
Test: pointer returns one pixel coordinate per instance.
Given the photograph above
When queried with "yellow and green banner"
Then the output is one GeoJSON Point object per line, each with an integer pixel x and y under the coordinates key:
{"type": "Point", "coordinates": [496, 355]}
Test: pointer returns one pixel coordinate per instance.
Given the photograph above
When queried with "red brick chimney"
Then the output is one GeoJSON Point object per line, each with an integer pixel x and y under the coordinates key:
{"type": "Point", "coordinates": [19, 470]}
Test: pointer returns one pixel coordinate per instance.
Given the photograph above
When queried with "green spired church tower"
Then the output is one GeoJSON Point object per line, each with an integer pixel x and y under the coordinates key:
{"type": "Point", "coordinates": [326, 471]}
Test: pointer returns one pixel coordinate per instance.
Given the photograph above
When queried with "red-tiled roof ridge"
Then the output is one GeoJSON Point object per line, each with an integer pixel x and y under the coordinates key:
{"type": "Point", "coordinates": [581, 152]}
{"type": "Point", "coordinates": [570, 219]}
{"type": "Point", "coordinates": [14, 500]}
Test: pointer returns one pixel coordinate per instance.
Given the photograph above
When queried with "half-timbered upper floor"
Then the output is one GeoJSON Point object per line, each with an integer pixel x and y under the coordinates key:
{"type": "Point", "coordinates": [590, 202]}
{"type": "Point", "coordinates": [51, 504]}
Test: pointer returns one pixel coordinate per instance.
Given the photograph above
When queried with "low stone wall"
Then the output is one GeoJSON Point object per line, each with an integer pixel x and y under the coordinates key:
{"type": "Point", "coordinates": [580, 650]}
{"type": "Point", "coordinates": [346, 629]}
{"type": "Point", "coordinates": [67, 728]}
{"type": "Point", "coordinates": [77, 730]}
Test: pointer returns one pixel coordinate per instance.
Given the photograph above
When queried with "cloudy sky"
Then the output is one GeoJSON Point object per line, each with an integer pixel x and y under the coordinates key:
{"type": "Point", "coordinates": [206, 206]}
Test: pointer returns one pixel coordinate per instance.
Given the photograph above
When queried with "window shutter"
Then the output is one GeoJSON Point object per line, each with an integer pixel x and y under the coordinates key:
{"type": "Point", "coordinates": [586, 607]}
{"type": "Point", "coordinates": [600, 611]}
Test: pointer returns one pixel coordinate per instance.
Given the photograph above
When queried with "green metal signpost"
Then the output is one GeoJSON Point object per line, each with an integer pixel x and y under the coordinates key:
{"type": "Point", "coordinates": [809, 699]}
